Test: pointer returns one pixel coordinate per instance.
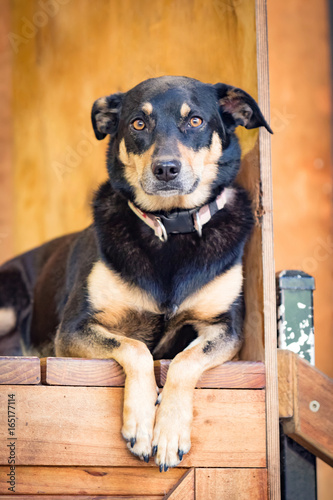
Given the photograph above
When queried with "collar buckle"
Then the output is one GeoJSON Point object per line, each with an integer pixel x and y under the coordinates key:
{"type": "Point", "coordinates": [197, 223]}
{"type": "Point", "coordinates": [164, 236]}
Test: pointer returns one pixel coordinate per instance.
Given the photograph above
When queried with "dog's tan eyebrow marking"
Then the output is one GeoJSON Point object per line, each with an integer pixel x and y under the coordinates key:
{"type": "Point", "coordinates": [147, 108]}
{"type": "Point", "coordinates": [185, 110]}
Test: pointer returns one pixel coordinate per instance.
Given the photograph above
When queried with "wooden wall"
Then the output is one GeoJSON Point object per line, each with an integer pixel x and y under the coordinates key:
{"type": "Point", "coordinates": [300, 85]}
{"type": "Point", "coordinates": [89, 49]}
{"type": "Point", "coordinates": [6, 138]}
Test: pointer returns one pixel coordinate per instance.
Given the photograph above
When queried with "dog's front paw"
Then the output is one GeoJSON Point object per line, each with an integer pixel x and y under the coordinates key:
{"type": "Point", "coordinates": [172, 431]}
{"type": "Point", "coordinates": [138, 418]}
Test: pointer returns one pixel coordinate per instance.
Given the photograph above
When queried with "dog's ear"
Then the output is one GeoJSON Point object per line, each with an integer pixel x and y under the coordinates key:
{"type": "Point", "coordinates": [105, 115]}
{"type": "Point", "coordinates": [237, 107]}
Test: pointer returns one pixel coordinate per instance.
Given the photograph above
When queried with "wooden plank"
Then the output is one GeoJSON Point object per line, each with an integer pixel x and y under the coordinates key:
{"type": "Point", "coordinates": [108, 373]}
{"type": "Point", "coordinates": [310, 428]}
{"type": "Point", "coordinates": [19, 370]}
{"type": "Point", "coordinates": [231, 375]}
{"type": "Point", "coordinates": [269, 294]}
{"type": "Point", "coordinates": [184, 489]}
{"type": "Point", "coordinates": [110, 481]}
{"type": "Point", "coordinates": [80, 497]}
{"type": "Point", "coordinates": [301, 155]}
{"type": "Point", "coordinates": [81, 426]}
{"type": "Point", "coordinates": [231, 484]}
{"type": "Point", "coordinates": [286, 381]}
{"type": "Point", "coordinates": [82, 372]}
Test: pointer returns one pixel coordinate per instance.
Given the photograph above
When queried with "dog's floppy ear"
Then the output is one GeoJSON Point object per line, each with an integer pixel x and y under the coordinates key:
{"type": "Point", "coordinates": [237, 107]}
{"type": "Point", "coordinates": [105, 115]}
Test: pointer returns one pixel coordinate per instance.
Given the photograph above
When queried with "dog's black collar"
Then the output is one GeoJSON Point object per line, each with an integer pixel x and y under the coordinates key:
{"type": "Point", "coordinates": [180, 221]}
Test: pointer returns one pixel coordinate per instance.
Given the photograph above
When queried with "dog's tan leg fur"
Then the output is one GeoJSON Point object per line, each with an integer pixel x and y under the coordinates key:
{"type": "Point", "coordinates": [140, 385]}
{"type": "Point", "coordinates": [174, 416]}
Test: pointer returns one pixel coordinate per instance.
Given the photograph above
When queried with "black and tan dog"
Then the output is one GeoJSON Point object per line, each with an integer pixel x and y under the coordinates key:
{"type": "Point", "coordinates": [159, 272]}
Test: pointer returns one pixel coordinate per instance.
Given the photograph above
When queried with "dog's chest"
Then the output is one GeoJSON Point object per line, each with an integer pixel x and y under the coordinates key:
{"type": "Point", "coordinates": [116, 301]}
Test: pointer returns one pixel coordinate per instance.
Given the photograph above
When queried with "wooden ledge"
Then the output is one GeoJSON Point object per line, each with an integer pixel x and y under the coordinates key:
{"type": "Point", "coordinates": [306, 404]}
{"type": "Point", "coordinates": [107, 373]}
{"type": "Point", "coordinates": [19, 370]}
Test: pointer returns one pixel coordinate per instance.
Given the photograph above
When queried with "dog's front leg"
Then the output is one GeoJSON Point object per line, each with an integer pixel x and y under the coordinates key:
{"type": "Point", "coordinates": [216, 344]}
{"type": "Point", "coordinates": [95, 341]}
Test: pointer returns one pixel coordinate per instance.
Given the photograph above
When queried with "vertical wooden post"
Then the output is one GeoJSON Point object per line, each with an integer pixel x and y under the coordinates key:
{"type": "Point", "coordinates": [272, 401]}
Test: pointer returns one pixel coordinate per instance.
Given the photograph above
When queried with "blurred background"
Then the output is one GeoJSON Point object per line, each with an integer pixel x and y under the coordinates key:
{"type": "Point", "coordinates": [58, 56]}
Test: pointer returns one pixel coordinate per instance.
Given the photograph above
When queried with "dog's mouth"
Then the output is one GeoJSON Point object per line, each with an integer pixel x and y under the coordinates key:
{"type": "Point", "coordinates": [168, 189]}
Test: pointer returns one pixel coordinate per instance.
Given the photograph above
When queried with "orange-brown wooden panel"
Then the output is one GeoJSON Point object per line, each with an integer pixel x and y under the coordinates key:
{"type": "Point", "coordinates": [82, 372]}
{"type": "Point", "coordinates": [19, 370]}
{"type": "Point", "coordinates": [108, 373]}
{"type": "Point", "coordinates": [308, 416]}
{"type": "Point", "coordinates": [231, 484]}
{"type": "Point", "coordinates": [231, 375]}
{"type": "Point", "coordinates": [110, 481]}
{"type": "Point", "coordinates": [286, 383]}
{"type": "Point", "coordinates": [6, 136]}
{"type": "Point", "coordinates": [184, 489]}
{"type": "Point", "coordinates": [81, 426]}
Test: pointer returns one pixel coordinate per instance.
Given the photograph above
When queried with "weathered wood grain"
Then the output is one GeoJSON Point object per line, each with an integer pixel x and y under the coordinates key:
{"type": "Point", "coordinates": [231, 484]}
{"type": "Point", "coordinates": [19, 370]}
{"type": "Point", "coordinates": [81, 426]}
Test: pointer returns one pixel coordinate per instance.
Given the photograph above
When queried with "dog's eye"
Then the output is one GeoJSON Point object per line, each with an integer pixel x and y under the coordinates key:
{"type": "Point", "coordinates": [195, 122]}
{"type": "Point", "coordinates": [138, 124]}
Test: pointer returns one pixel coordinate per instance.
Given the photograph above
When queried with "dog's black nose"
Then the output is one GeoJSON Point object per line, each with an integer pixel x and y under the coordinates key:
{"type": "Point", "coordinates": [166, 170]}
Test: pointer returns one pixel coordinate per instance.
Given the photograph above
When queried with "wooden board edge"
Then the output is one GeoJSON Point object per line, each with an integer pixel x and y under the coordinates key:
{"type": "Point", "coordinates": [231, 375]}
{"type": "Point", "coordinates": [286, 383]}
{"type": "Point", "coordinates": [20, 370]}
{"type": "Point", "coordinates": [272, 395]}
{"type": "Point", "coordinates": [79, 497]}
{"type": "Point", "coordinates": [293, 427]}
{"type": "Point", "coordinates": [59, 371]}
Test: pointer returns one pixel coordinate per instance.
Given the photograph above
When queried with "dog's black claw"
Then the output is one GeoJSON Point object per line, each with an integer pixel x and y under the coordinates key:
{"type": "Point", "coordinates": [154, 451]}
{"type": "Point", "coordinates": [166, 468]}
{"type": "Point", "coordinates": [180, 454]}
{"type": "Point", "coordinates": [161, 468]}
{"type": "Point", "coordinates": [157, 402]}
{"type": "Point", "coordinates": [146, 458]}
{"type": "Point", "coordinates": [133, 442]}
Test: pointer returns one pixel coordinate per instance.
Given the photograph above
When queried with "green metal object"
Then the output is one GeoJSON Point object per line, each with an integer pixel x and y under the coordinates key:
{"type": "Point", "coordinates": [296, 333]}
{"type": "Point", "coordinates": [295, 313]}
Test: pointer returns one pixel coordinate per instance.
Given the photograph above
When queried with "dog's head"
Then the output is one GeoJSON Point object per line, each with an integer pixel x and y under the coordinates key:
{"type": "Point", "coordinates": [172, 141]}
